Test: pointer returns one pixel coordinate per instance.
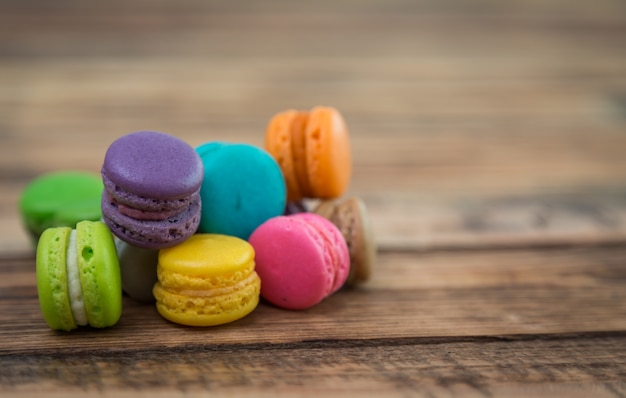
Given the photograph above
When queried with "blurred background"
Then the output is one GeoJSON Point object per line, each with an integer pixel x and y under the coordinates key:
{"type": "Point", "coordinates": [451, 105]}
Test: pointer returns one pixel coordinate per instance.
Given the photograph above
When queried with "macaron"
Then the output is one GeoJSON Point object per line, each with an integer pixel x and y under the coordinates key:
{"type": "Point", "coordinates": [60, 199]}
{"type": "Point", "coordinates": [78, 277]}
{"type": "Point", "coordinates": [151, 195]}
{"type": "Point", "coordinates": [313, 151]}
{"type": "Point", "coordinates": [138, 267]}
{"type": "Point", "coordinates": [351, 217]}
{"type": "Point", "coordinates": [301, 260]}
{"type": "Point", "coordinates": [207, 280]}
{"type": "Point", "coordinates": [295, 207]}
{"type": "Point", "coordinates": [242, 188]}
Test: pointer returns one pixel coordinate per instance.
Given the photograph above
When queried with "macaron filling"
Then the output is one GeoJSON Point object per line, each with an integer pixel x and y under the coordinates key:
{"type": "Point", "coordinates": [75, 290]}
{"type": "Point", "coordinates": [145, 215]}
{"type": "Point", "coordinates": [149, 214]}
{"type": "Point", "coordinates": [152, 234]}
{"type": "Point", "coordinates": [145, 203]}
{"type": "Point", "coordinates": [299, 152]}
{"type": "Point", "coordinates": [217, 291]}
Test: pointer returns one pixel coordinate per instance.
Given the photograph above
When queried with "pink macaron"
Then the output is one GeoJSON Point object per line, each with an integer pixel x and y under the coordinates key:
{"type": "Point", "coordinates": [301, 259]}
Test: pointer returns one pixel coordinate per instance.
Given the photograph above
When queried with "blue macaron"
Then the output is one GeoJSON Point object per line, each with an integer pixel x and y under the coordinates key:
{"type": "Point", "coordinates": [243, 187]}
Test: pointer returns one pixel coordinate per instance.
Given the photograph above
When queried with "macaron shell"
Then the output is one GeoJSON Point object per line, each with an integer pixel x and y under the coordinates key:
{"type": "Point", "coordinates": [215, 257]}
{"type": "Point", "coordinates": [329, 158]}
{"type": "Point", "coordinates": [153, 164]}
{"type": "Point", "coordinates": [138, 269]}
{"type": "Point", "coordinates": [278, 142]}
{"type": "Point", "coordinates": [87, 209]}
{"type": "Point", "coordinates": [99, 273]}
{"type": "Point", "coordinates": [51, 273]}
{"type": "Point", "coordinates": [242, 188]}
{"type": "Point", "coordinates": [60, 199]}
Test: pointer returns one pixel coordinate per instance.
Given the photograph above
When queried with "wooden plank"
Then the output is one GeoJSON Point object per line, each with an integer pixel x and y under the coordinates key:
{"type": "Point", "coordinates": [578, 365]}
{"type": "Point", "coordinates": [488, 144]}
{"type": "Point", "coordinates": [464, 293]}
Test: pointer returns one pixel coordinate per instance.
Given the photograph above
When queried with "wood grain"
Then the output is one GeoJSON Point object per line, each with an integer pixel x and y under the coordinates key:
{"type": "Point", "coordinates": [488, 144]}
{"type": "Point", "coordinates": [460, 296]}
{"type": "Point", "coordinates": [423, 367]}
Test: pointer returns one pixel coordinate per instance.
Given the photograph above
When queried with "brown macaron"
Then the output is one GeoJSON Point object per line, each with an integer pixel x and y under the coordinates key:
{"type": "Point", "coordinates": [351, 218]}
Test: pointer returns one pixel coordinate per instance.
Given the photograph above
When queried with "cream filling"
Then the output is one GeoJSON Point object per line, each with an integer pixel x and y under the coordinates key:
{"type": "Point", "coordinates": [77, 301]}
{"type": "Point", "coordinates": [219, 291]}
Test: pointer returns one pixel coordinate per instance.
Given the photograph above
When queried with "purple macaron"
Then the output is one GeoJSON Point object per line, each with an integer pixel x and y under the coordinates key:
{"type": "Point", "coordinates": [151, 189]}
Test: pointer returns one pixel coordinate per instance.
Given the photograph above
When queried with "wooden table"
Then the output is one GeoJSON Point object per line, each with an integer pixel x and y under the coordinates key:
{"type": "Point", "coordinates": [489, 143]}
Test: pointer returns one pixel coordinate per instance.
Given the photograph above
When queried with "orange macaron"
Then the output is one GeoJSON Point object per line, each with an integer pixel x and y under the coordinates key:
{"type": "Point", "coordinates": [312, 149]}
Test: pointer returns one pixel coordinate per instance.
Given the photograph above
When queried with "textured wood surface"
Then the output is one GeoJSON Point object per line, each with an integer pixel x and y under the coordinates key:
{"type": "Point", "coordinates": [489, 146]}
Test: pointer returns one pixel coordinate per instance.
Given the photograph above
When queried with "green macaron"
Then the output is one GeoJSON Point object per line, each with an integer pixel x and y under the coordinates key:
{"type": "Point", "coordinates": [78, 277]}
{"type": "Point", "coordinates": [60, 199]}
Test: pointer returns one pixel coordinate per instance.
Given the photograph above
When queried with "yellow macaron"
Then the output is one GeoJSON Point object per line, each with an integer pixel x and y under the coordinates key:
{"type": "Point", "coordinates": [207, 280]}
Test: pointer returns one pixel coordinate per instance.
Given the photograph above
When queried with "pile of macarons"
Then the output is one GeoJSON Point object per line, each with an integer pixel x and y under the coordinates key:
{"type": "Point", "coordinates": [205, 232]}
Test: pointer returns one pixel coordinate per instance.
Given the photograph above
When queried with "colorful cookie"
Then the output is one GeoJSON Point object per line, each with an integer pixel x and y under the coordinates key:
{"type": "Point", "coordinates": [60, 199]}
{"type": "Point", "coordinates": [242, 188]}
{"type": "Point", "coordinates": [138, 268]}
{"type": "Point", "coordinates": [313, 151]}
{"type": "Point", "coordinates": [207, 280]}
{"type": "Point", "coordinates": [78, 277]}
{"type": "Point", "coordinates": [301, 259]}
{"type": "Point", "coordinates": [151, 193]}
{"type": "Point", "coordinates": [352, 219]}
